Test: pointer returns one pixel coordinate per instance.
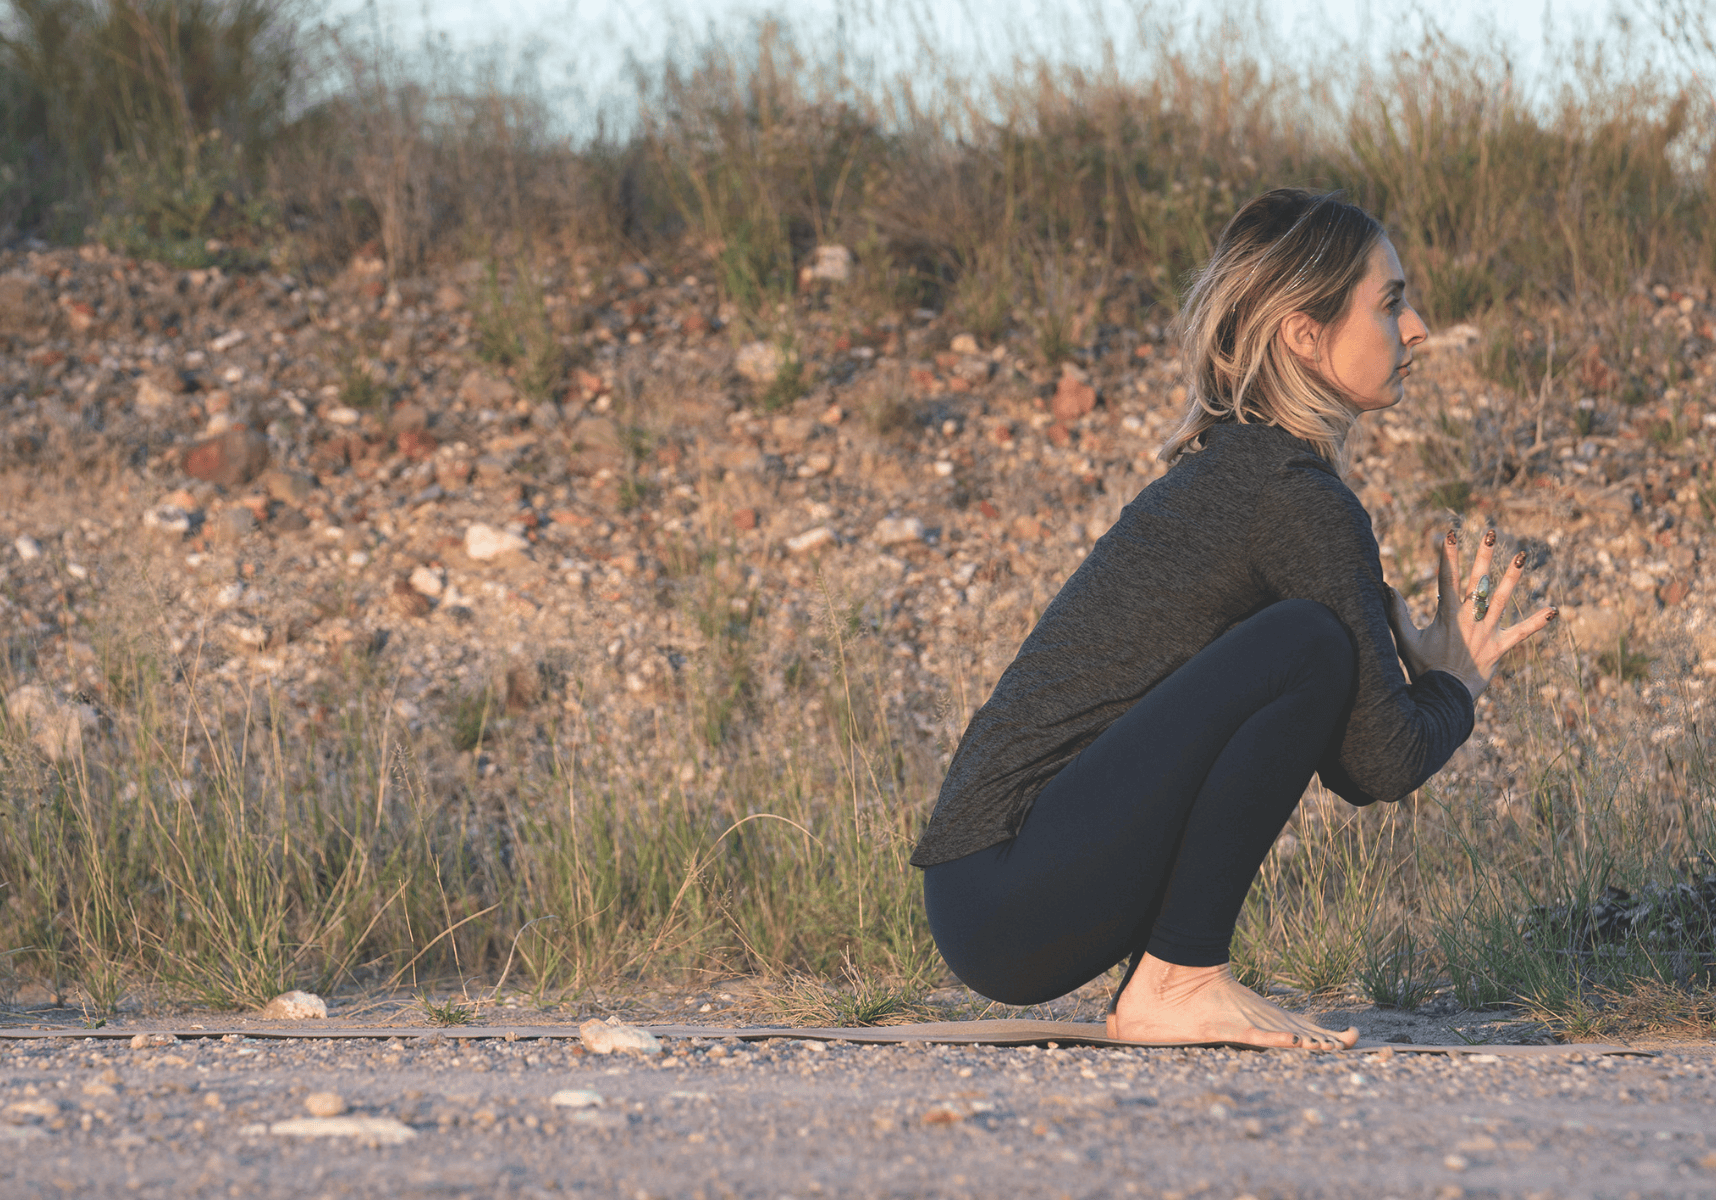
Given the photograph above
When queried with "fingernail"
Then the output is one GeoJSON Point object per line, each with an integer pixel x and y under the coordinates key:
{"type": "Point", "coordinates": [1453, 537]}
{"type": "Point", "coordinates": [1519, 560]}
{"type": "Point", "coordinates": [1553, 613]}
{"type": "Point", "coordinates": [1489, 537]}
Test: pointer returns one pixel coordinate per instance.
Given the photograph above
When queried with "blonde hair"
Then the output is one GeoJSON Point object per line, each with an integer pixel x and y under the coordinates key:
{"type": "Point", "coordinates": [1286, 251]}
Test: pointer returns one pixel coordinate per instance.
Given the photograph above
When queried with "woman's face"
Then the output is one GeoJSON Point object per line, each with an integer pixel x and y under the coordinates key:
{"type": "Point", "coordinates": [1367, 353]}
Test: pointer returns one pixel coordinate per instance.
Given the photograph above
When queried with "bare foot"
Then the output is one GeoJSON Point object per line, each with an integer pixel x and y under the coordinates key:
{"type": "Point", "coordinates": [1173, 1005]}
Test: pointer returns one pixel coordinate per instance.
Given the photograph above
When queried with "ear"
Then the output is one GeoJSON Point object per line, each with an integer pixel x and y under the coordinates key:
{"type": "Point", "coordinates": [1299, 333]}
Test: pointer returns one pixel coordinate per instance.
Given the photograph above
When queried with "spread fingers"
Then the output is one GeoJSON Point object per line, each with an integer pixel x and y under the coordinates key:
{"type": "Point", "coordinates": [1512, 636]}
{"type": "Point", "coordinates": [1504, 589]}
{"type": "Point", "coordinates": [1481, 560]}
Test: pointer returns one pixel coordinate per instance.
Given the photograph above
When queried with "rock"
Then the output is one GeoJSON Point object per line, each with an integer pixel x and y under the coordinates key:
{"type": "Point", "coordinates": [380, 1131]}
{"type": "Point", "coordinates": [28, 548]}
{"type": "Point", "coordinates": [152, 398]}
{"type": "Point", "coordinates": [811, 539]}
{"type": "Point", "coordinates": [324, 1104]}
{"type": "Point", "coordinates": [288, 487]}
{"type": "Point", "coordinates": [483, 390]}
{"type": "Point", "coordinates": [791, 432]}
{"type": "Point", "coordinates": [485, 542]}
{"type": "Point", "coordinates": [146, 1041]}
{"type": "Point", "coordinates": [295, 1006]}
{"type": "Point", "coordinates": [1073, 398]}
{"type": "Point", "coordinates": [744, 519]}
{"type": "Point", "coordinates": [636, 276]}
{"type": "Point", "coordinates": [760, 362]}
{"type": "Point", "coordinates": [170, 518]}
{"type": "Point", "coordinates": [893, 531]}
{"type": "Point", "coordinates": [342, 415]}
{"type": "Point", "coordinates": [545, 416]}
{"type": "Point", "coordinates": [964, 344]}
{"type": "Point", "coordinates": [830, 264]}
{"type": "Point", "coordinates": [234, 523]}
{"type": "Point", "coordinates": [231, 459]}
{"type": "Point", "coordinates": [1455, 337]}
{"type": "Point", "coordinates": [575, 1098]}
{"type": "Point", "coordinates": [41, 1109]}
{"type": "Point", "coordinates": [54, 727]}
{"type": "Point", "coordinates": [427, 581]}
{"type": "Point", "coordinates": [452, 472]}
{"type": "Point", "coordinates": [611, 1037]}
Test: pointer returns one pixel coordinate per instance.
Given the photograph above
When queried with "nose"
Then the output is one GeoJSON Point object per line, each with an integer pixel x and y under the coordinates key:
{"type": "Point", "coordinates": [1412, 327]}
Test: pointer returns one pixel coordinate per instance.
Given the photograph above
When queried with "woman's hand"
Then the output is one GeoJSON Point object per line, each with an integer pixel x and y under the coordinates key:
{"type": "Point", "coordinates": [1466, 638]}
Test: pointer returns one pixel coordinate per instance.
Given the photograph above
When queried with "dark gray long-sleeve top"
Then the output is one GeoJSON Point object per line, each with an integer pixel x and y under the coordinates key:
{"type": "Point", "coordinates": [1253, 518]}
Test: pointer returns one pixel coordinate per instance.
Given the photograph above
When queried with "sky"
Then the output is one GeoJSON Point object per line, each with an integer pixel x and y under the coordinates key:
{"type": "Point", "coordinates": [579, 51]}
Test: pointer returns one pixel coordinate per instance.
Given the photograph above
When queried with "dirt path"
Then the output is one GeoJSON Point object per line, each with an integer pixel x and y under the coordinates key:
{"type": "Point", "coordinates": [714, 1119]}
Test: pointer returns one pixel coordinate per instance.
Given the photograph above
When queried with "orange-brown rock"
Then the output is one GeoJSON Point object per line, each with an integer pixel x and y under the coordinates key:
{"type": "Point", "coordinates": [230, 459]}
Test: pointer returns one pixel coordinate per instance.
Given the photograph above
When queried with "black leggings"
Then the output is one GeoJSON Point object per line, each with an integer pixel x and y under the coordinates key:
{"type": "Point", "coordinates": [1150, 838]}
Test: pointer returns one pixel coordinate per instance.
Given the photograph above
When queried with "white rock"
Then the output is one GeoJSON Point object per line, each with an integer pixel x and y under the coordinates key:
{"type": "Point", "coordinates": [143, 1041]}
{"type": "Point", "coordinates": [1455, 337]}
{"type": "Point", "coordinates": [760, 362]}
{"type": "Point", "coordinates": [383, 1131]}
{"type": "Point", "coordinates": [483, 542]}
{"type": "Point", "coordinates": [830, 263]}
{"type": "Point", "coordinates": [295, 1006]}
{"type": "Point", "coordinates": [28, 548]}
{"type": "Point", "coordinates": [227, 341]}
{"type": "Point", "coordinates": [54, 727]}
{"type": "Point", "coordinates": [426, 581]}
{"type": "Point", "coordinates": [810, 539]}
{"type": "Point", "coordinates": [893, 531]}
{"type": "Point", "coordinates": [964, 343]}
{"type": "Point", "coordinates": [170, 518]}
{"type": "Point", "coordinates": [325, 1104]}
{"type": "Point", "coordinates": [340, 414]}
{"type": "Point", "coordinates": [610, 1037]}
{"type": "Point", "coordinates": [574, 1098]}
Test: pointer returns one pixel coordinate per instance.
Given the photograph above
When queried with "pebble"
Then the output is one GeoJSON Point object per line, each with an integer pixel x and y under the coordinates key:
{"type": "Point", "coordinates": [1073, 398]}
{"type": "Point", "coordinates": [384, 1131]}
{"type": "Point", "coordinates": [324, 1104]}
{"type": "Point", "coordinates": [830, 264]}
{"type": "Point", "coordinates": [28, 548]}
{"type": "Point", "coordinates": [610, 1037]}
{"type": "Point", "coordinates": [482, 390]}
{"type": "Point", "coordinates": [811, 539]}
{"type": "Point", "coordinates": [427, 581]}
{"type": "Point", "coordinates": [230, 459]}
{"type": "Point", "coordinates": [295, 1006]}
{"type": "Point", "coordinates": [759, 362]}
{"type": "Point", "coordinates": [485, 542]}
{"type": "Point", "coordinates": [145, 1041]}
{"type": "Point", "coordinates": [893, 531]}
{"type": "Point", "coordinates": [575, 1098]}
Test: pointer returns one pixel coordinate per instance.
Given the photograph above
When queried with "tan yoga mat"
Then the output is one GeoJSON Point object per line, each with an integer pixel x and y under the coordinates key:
{"type": "Point", "coordinates": [941, 1033]}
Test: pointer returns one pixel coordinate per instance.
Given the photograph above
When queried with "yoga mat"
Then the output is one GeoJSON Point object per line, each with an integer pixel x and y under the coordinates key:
{"type": "Point", "coordinates": [941, 1033]}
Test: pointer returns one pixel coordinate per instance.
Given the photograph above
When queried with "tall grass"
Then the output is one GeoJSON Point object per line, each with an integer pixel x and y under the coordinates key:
{"type": "Point", "coordinates": [204, 854]}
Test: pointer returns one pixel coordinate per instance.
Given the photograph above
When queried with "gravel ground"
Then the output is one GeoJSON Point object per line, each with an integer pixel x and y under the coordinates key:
{"type": "Point", "coordinates": [716, 1118]}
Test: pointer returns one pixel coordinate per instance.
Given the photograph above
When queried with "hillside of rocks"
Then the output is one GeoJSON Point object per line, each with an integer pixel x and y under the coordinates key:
{"type": "Point", "coordinates": [569, 490]}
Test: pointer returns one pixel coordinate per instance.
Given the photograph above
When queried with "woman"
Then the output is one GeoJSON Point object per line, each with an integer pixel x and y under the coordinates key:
{"type": "Point", "coordinates": [1228, 637]}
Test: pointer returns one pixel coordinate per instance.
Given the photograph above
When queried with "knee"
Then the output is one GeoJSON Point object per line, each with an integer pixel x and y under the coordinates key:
{"type": "Point", "coordinates": [1324, 644]}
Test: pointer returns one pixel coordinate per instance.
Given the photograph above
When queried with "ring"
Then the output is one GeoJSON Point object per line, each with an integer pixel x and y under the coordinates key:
{"type": "Point", "coordinates": [1480, 607]}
